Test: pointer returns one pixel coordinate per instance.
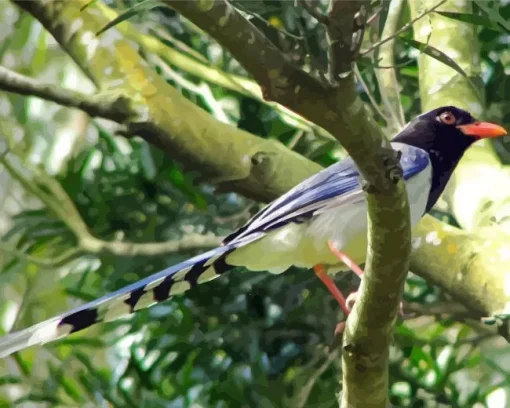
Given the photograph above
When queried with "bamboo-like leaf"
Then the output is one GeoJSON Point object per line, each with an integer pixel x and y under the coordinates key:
{"type": "Point", "coordinates": [473, 19]}
{"type": "Point", "coordinates": [130, 12]}
{"type": "Point", "coordinates": [90, 3]}
{"type": "Point", "coordinates": [494, 13]}
{"type": "Point", "coordinates": [434, 53]}
{"type": "Point", "coordinates": [441, 57]}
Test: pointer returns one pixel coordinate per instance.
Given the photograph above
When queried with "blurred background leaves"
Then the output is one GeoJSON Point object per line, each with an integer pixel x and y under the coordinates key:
{"type": "Point", "coordinates": [247, 339]}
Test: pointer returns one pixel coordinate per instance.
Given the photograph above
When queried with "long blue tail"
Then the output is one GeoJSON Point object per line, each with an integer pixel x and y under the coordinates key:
{"type": "Point", "coordinates": [140, 295]}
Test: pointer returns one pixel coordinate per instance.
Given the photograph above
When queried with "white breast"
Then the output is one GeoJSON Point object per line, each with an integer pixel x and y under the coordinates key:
{"type": "Point", "coordinates": [344, 222]}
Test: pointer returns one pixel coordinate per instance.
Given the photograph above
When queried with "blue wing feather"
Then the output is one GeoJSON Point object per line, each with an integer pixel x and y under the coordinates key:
{"type": "Point", "coordinates": [303, 202]}
{"type": "Point", "coordinates": [316, 192]}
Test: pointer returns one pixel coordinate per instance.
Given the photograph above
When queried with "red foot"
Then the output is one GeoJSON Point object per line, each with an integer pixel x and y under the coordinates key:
{"type": "Point", "coordinates": [340, 328]}
{"type": "Point", "coordinates": [322, 275]}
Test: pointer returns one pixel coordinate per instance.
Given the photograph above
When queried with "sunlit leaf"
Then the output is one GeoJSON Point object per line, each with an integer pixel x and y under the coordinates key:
{"type": "Point", "coordinates": [472, 19]}
{"type": "Point", "coordinates": [90, 3]}
{"type": "Point", "coordinates": [40, 54]}
{"type": "Point", "coordinates": [132, 11]}
{"type": "Point", "coordinates": [441, 57]}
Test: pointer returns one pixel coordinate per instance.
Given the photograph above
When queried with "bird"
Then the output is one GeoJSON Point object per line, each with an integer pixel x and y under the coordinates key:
{"type": "Point", "coordinates": [320, 224]}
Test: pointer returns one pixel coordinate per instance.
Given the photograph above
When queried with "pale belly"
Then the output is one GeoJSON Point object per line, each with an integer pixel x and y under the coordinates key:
{"type": "Point", "coordinates": [306, 245]}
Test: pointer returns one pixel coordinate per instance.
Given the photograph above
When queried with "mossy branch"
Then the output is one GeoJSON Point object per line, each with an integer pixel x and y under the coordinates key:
{"type": "Point", "coordinates": [471, 266]}
{"type": "Point", "coordinates": [165, 118]}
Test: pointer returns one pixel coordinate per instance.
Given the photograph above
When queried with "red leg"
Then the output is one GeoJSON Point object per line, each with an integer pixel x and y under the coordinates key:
{"type": "Point", "coordinates": [345, 259]}
{"type": "Point", "coordinates": [322, 275]}
{"type": "Point", "coordinates": [356, 269]}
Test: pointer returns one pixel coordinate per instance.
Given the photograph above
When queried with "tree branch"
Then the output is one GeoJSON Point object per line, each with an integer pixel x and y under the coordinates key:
{"type": "Point", "coordinates": [189, 242]}
{"type": "Point", "coordinates": [114, 65]}
{"type": "Point", "coordinates": [94, 105]}
{"type": "Point", "coordinates": [364, 361]}
{"type": "Point", "coordinates": [258, 168]}
{"type": "Point", "coordinates": [345, 32]}
{"type": "Point", "coordinates": [45, 263]}
{"type": "Point", "coordinates": [472, 267]}
{"type": "Point", "coordinates": [211, 74]}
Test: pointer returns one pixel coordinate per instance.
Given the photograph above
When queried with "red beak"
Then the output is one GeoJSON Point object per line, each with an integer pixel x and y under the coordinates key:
{"type": "Point", "coordinates": [482, 130]}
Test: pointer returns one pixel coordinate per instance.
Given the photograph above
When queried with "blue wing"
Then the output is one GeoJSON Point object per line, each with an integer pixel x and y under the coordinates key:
{"type": "Point", "coordinates": [316, 192]}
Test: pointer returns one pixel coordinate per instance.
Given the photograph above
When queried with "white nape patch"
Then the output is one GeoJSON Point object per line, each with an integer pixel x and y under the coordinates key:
{"type": "Point", "coordinates": [153, 284]}
{"type": "Point", "coordinates": [145, 301]}
{"type": "Point", "coordinates": [179, 287]}
{"type": "Point", "coordinates": [208, 275]}
{"type": "Point", "coordinates": [48, 332]}
{"type": "Point", "coordinates": [179, 276]}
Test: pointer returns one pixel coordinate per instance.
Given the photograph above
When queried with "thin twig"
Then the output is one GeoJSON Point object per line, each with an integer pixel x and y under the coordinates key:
{"type": "Point", "coordinates": [369, 94]}
{"type": "Point", "coordinates": [297, 137]}
{"type": "Point", "coordinates": [387, 79]}
{"type": "Point", "coordinates": [94, 105]}
{"type": "Point", "coordinates": [404, 28]}
{"type": "Point", "coordinates": [46, 263]}
{"type": "Point", "coordinates": [260, 18]}
{"type": "Point", "coordinates": [188, 242]}
{"type": "Point", "coordinates": [303, 396]}
{"type": "Point", "coordinates": [244, 214]}
{"type": "Point", "coordinates": [373, 16]}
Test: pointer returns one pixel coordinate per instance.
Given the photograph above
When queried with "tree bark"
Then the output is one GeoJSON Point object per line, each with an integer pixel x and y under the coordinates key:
{"type": "Point", "coordinates": [471, 266]}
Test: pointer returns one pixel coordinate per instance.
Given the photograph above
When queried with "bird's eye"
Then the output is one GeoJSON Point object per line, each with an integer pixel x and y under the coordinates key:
{"type": "Point", "coordinates": [447, 118]}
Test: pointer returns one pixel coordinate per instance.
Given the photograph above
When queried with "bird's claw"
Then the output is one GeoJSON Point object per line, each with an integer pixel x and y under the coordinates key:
{"type": "Point", "coordinates": [391, 163]}
{"type": "Point", "coordinates": [351, 299]}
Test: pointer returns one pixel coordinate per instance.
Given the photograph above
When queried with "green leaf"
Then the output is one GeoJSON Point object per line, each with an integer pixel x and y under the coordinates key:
{"type": "Point", "coordinates": [39, 60]}
{"type": "Point", "coordinates": [494, 14]}
{"type": "Point", "coordinates": [82, 342]}
{"type": "Point", "coordinates": [441, 57]}
{"type": "Point", "coordinates": [10, 379]}
{"type": "Point", "coordinates": [473, 19]}
{"type": "Point", "coordinates": [90, 3]}
{"type": "Point", "coordinates": [130, 12]}
{"type": "Point", "coordinates": [435, 53]}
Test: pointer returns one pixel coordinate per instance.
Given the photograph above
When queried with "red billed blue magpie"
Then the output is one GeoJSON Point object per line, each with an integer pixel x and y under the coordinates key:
{"type": "Point", "coordinates": [321, 224]}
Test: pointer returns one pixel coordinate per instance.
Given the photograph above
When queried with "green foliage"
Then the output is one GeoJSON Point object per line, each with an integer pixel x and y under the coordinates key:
{"type": "Point", "coordinates": [247, 339]}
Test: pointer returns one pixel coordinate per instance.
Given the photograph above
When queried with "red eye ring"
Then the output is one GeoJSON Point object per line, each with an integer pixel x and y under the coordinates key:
{"type": "Point", "coordinates": [447, 118]}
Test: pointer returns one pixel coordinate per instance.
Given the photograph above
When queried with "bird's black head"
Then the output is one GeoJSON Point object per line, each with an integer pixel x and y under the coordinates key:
{"type": "Point", "coordinates": [445, 134]}
{"type": "Point", "coordinates": [447, 130]}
